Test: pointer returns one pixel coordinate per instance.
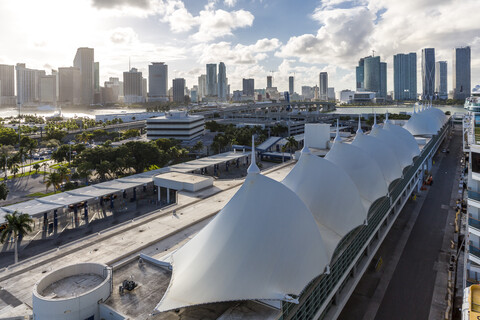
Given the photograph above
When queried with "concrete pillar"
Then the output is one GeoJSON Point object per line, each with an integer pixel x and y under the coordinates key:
{"type": "Point", "coordinates": [429, 164]}
{"type": "Point", "coordinates": [45, 221]}
{"type": "Point", "coordinates": [168, 196]}
{"type": "Point", "coordinates": [55, 220]}
{"type": "Point", "coordinates": [158, 194]}
{"type": "Point", "coordinates": [86, 212]}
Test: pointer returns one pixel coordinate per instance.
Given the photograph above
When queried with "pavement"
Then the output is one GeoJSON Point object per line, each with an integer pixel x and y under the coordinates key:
{"type": "Point", "coordinates": [413, 254]}
{"type": "Point", "coordinates": [123, 241]}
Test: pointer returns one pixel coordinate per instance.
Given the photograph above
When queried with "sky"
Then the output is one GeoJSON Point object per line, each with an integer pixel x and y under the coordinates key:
{"type": "Point", "coordinates": [254, 38]}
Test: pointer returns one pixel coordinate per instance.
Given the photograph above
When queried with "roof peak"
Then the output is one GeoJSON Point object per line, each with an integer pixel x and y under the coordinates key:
{"type": "Point", "coordinates": [253, 168]}
{"type": "Point", "coordinates": [359, 130]}
{"type": "Point", "coordinates": [337, 136]}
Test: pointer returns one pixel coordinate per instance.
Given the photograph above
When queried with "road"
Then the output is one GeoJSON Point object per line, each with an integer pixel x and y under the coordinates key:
{"type": "Point", "coordinates": [409, 293]}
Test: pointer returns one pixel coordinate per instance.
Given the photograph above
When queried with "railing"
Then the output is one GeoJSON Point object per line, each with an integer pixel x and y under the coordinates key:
{"type": "Point", "coordinates": [474, 250]}
{"type": "Point", "coordinates": [316, 293]}
{"type": "Point", "coordinates": [474, 223]}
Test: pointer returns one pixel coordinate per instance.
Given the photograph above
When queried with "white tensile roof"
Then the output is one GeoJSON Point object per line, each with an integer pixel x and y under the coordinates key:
{"type": "Point", "coordinates": [399, 146]}
{"type": "Point", "coordinates": [383, 154]}
{"type": "Point", "coordinates": [323, 186]}
{"type": "Point", "coordinates": [364, 171]}
{"type": "Point", "coordinates": [264, 244]}
{"type": "Point", "coordinates": [406, 137]}
{"type": "Point", "coordinates": [426, 122]}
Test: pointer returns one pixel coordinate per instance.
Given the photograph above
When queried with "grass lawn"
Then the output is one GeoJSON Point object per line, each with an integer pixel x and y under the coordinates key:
{"type": "Point", "coordinates": [26, 174]}
{"type": "Point", "coordinates": [33, 163]}
{"type": "Point", "coordinates": [41, 194]}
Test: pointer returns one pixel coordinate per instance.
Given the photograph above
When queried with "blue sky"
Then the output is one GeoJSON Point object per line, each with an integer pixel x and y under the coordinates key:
{"type": "Point", "coordinates": [254, 38]}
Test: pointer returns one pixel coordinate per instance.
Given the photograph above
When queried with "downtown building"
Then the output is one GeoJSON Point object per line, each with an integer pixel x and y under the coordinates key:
{"type": "Point", "coordinates": [69, 85]}
{"type": "Point", "coordinates": [405, 76]}
{"type": "Point", "coordinates": [178, 85]}
{"type": "Point", "coordinates": [7, 85]}
{"type": "Point", "coordinates": [291, 85]}
{"type": "Point", "coordinates": [211, 80]}
{"type": "Point", "coordinates": [248, 87]}
{"type": "Point", "coordinates": [371, 76]}
{"type": "Point", "coordinates": [176, 125]}
{"type": "Point", "coordinates": [461, 73]}
{"type": "Point", "coordinates": [441, 89]}
{"type": "Point", "coordinates": [158, 82]}
{"type": "Point", "coordinates": [28, 85]}
{"type": "Point", "coordinates": [84, 61]}
{"type": "Point", "coordinates": [222, 82]}
{"type": "Point", "coordinates": [133, 86]}
{"type": "Point", "coordinates": [323, 85]}
{"type": "Point", "coordinates": [48, 89]}
{"type": "Point", "coordinates": [428, 73]}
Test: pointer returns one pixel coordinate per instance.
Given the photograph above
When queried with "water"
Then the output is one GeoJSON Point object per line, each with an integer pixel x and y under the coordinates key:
{"type": "Point", "coordinates": [394, 109]}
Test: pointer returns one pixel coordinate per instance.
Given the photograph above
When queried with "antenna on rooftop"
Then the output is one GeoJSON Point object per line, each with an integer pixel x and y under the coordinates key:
{"type": "Point", "coordinates": [253, 168]}
{"type": "Point", "coordinates": [373, 53]}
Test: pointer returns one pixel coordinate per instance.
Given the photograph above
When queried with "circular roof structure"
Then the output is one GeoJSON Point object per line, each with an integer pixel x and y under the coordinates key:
{"type": "Point", "coordinates": [232, 258]}
{"type": "Point", "coordinates": [406, 137]}
{"type": "Point", "coordinates": [323, 187]}
{"type": "Point", "coordinates": [383, 154]}
{"type": "Point", "coordinates": [362, 169]}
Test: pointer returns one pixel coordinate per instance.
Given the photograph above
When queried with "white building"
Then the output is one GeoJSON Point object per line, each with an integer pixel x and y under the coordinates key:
{"type": "Point", "coordinates": [84, 60]}
{"type": "Point", "coordinates": [28, 84]}
{"type": "Point", "coordinates": [346, 96]}
{"type": "Point", "coordinates": [177, 125]}
{"type": "Point", "coordinates": [48, 89]}
{"type": "Point", "coordinates": [7, 85]}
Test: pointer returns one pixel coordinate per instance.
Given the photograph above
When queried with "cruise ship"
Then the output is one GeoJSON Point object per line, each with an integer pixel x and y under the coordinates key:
{"type": "Point", "coordinates": [472, 104]}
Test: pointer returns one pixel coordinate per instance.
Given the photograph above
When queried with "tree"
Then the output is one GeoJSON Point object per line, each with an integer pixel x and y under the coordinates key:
{"type": "Point", "coordinates": [84, 137]}
{"type": "Point", "coordinates": [15, 170]}
{"type": "Point", "coordinates": [55, 133]}
{"type": "Point", "coordinates": [29, 145]}
{"type": "Point", "coordinates": [53, 179]}
{"type": "Point", "coordinates": [19, 225]}
{"type": "Point", "coordinates": [198, 146]}
{"type": "Point", "coordinates": [64, 173]}
{"type": "Point", "coordinates": [130, 133]}
{"type": "Point", "coordinates": [291, 144]}
{"type": "Point", "coordinates": [5, 153]}
{"type": "Point", "coordinates": [8, 136]}
{"type": "Point", "coordinates": [36, 166]}
{"type": "Point", "coordinates": [3, 191]}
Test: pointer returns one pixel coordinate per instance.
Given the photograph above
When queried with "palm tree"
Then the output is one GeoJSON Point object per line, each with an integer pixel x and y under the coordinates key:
{"type": "Point", "coordinates": [36, 166]}
{"type": "Point", "coordinates": [291, 144]}
{"type": "Point", "coordinates": [64, 173]}
{"type": "Point", "coordinates": [19, 225]}
{"type": "Point", "coordinates": [53, 179]}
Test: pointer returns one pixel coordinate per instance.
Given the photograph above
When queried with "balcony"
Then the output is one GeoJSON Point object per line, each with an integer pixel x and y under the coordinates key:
{"type": "Point", "coordinates": [474, 254]}
{"type": "Point", "coordinates": [474, 198]}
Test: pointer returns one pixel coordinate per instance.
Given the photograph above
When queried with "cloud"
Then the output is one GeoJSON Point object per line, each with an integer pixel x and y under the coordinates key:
{"type": "Point", "coordinates": [123, 36]}
{"type": "Point", "coordinates": [230, 3]}
{"type": "Point", "coordinates": [219, 23]}
{"type": "Point", "coordinates": [178, 17]}
{"type": "Point", "coordinates": [111, 4]}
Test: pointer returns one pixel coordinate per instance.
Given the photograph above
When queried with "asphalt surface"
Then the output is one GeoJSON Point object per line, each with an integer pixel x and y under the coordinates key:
{"type": "Point", "coordinates": [409, 293]}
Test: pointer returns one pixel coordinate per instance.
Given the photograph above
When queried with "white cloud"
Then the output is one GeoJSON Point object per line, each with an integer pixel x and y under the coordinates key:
{"type": "Point", "coordinates": [178, 17]}
{"type": "Point", "coordinates": [230, 3]}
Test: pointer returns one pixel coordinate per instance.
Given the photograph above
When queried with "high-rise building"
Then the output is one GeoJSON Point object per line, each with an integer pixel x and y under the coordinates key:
{"type": "Point", "coordinates": [375, 76]}
{"type": "Point", "coordinates": [133, 86]}
{"type": "Point", "coordinates": [323, 86]}
{"type": "Point", "coordinates": [202, 87]}
{"type": "Point", "coordinates": [28, 84]}
{"type": "Point", "coordinates": [331, 94]}
{"type": "Point", "coordinates": [111, 90]}
{"type": "Point", "coordinates": [405, 76]}
{"type": "Point", "coordinates": [222, 82]}
{"type": "Point", "coordinates": [307, 92]}
{"type": "Point", "coordinates": [96, 76]}
{"type": "Point", "coordinates": [291, 85]}
{"type": "Point", "coordinates": [84, 60]}
{"type": "Point", "coordinates": [441, 79]}
{"type": "Point", "coordinates": [248, 87]}
{"type": "Point", "coordinates": [194, 93]}
{"type": "Point", "coordinates": [144, 89]}
{"type": "Point", "coordinates": [269, 81]}
{"type": "Point", "coordinates": [179, 90]}
{"type": "Point", "coordinates": [461, 73]}
{"type": "Point", "coordinates": [69, 85]}
{"type": "Point", "coordinates": [157, 81]}
{"type": "Point", "coordinates": [7, 85]}
{"type": "Point", "coordinates": [212, 84]}
{"type": "Point", "coordinates": [360, 75]}
{"type": "Point", "coordinates": [428, 73]}
{"type": "Point", "coordinates": [48, 89]}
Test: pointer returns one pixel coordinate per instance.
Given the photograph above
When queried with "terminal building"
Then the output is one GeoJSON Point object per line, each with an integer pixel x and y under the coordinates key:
{"type": "Point", "coordinates": [177, 125]}
{"type": "Point", "coordinates": [288, 248]}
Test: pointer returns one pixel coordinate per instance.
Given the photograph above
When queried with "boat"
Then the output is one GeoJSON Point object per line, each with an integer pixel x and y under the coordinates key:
{"type": "Point", "coordinates": [472, 104]}
{"type": "Point", "coordinates": [471, 303]}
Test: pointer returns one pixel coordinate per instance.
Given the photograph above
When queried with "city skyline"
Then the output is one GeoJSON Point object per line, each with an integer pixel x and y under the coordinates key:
{"type": "Point", "coordinates": [187, 35]}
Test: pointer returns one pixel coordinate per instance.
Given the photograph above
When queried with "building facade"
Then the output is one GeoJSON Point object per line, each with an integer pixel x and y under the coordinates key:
{"type": "Point", "coordinates": [323, 85]}
{"type": "Point", "coordinates": [178, 85]}
{"type": "Point", "coordinates": [84, 60]}
{"type": "Point", "coordinates": [405, 76]}
{"type": "Point", "coordinates": [28, 85]}
{"type": "Point", "coordinates": [211, 81]}
{"type": "Point", "coordinates": [359, 75]}
{"type": "Point", "coordinates": [461, 73]}
{"type": "Point", "coordinates": [222, 82]}
{"type": "Point", "coordinates": [269, 81]}
{"type": "Point", "coordinates": [69, 85]}
{"type": "Point", "coordinates": [157, 81]}
{"type": "Point", "coordinates": [7, 85]}
{"type": "Point", "coordinates": [375, 76]}
{"type": "Point", "coordinates": [248, 87]}
{"type": "Point", "coordinates": [133, 86]}
{"type": "Point", "coordinates": [441, 79]}
{"type": "Point", "coordinates": [428, 73]}
{"type": "Point", "coordinates": [177, 125]}
{"type": "Point", "coordinates": [48, 89]}
{"type": "Point", "coordinates": [291, 85]}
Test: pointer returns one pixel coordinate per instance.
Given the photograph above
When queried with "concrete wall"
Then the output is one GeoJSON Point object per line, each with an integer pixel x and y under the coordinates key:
{"type": "Point", "coordinates": [107, 313]}
{"type": "Point", "coordinates": [317, 135]}
{"type": "Point", "coordinates": [76, 308]}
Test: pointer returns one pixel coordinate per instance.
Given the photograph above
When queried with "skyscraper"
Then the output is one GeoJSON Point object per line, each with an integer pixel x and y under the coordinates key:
{"type": "Point", "coordinates": [212, 84]}
{"type": "Point", "coordinates": [461, 73]}
{"type": "Point", "coordinates": [96, 76]}
{"type": "Point", "coordinates": [360, 75]}
{"type": "Point", "coordinates": [48, 89]}
{"type": "Point", "coordinates": [7, 85]}
{"type": "Point", "coordinates": [405, 76]}
{"type": "Point", "coordinates": [428, 73]}
{"type": "Point", "coordinates": [291, 85]}
{"type": "Point", "coordinates": [202, 87]}
{"type": "Point", "coordinates": [222, 82]}
{"type": "Point", "coordinates": [157, 81]}
{"type": "Point", "coordinates": [69, 85]}
{"type": "Point", "coordinates": [269, 81]}
{"type": "Point", "coordinates": [441, 79]}
{"type": "Point", "coordinates": [84, 60]}
{"type": "Point", "coordinates": [323, 86]}
{"type": "Point", "coordinates": [248, 87]}
{"type": "Point", "coordinates": [133, 86]}
{"type": "Point", "coordinates": [179, 90]}
{"type": "Point", "coordinates": [28, 84]}
{"type": "Point", "coordinates": [375, 76]}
